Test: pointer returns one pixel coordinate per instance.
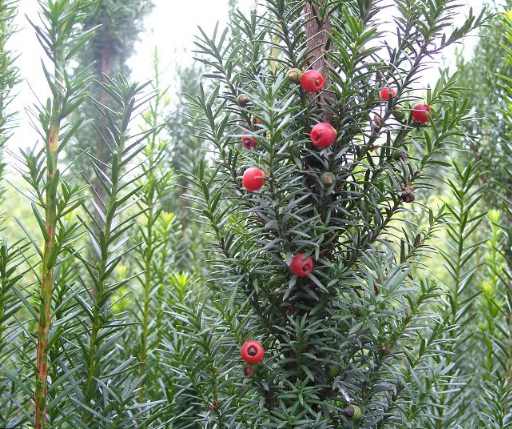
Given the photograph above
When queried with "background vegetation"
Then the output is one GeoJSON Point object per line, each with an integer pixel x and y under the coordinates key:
{"type": "Point", "coordinates": [134, 264]}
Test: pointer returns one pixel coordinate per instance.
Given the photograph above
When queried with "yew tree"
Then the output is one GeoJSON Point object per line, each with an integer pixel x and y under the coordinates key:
{"type": "Point", "coordinates": [324, 136]}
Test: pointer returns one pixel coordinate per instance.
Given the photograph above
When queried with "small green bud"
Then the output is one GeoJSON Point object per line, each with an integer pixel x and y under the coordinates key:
{"type": "Point", "coordinates": [248, 372]}
{"type": "Point", "coordinates": [386, 349]}
{"type": "Point", "coordinates": [398, 113]}
{"type": "Point", "coordinates": [333, 370]}
{"type": "Point", "coordinates": [353, 412]}
{"type": "Point", "coordinates": [243, 100]}
{"type": "Point", "coordinates": [400, 155]}
{"type": "Point", "coordinates": [407, 194]}
{"type": "Point", "coordinates": [295, 75]}
{"type": "Point", "coordinates": [328, 179]}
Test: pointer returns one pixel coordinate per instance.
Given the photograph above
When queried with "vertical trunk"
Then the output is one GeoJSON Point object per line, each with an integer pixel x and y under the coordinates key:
{"type": "Point", "coordinates": [147, 289]}
{"type": "Point", "coordinates": [49, 258]}
{"type": "Point", "coordinates": [102, 152]}
{"type": "Point", "coordinates": [318, 26]}
{"type": "Point", "coordinates": [93, 365]}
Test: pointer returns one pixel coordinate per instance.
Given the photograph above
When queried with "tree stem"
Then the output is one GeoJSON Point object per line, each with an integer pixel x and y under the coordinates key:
{"type": "Point", "coordinates": [147, 286]}
{"type": "Point", "coordinates": [47, 281]}
{"type": "Point", "coordinates": [318, 26]}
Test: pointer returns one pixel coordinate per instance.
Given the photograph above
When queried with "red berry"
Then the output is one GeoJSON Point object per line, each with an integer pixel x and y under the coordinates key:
{"type": "Point", "coordinates": [421, 113]}
{"type": "Point", "coordinates": [253, 179]}
{"type": "Point", "coordinates": [323, 134]}
{"type": "Point", "coordinates": [301, 266]}
{"type": "Point", "coordinates": [312, 81]}
{"type": "Point", "coordinates": [249, 142]}
{"type": "Point", "coordinates": [252, 352]}
{"type": "Point", "coordinates": [384, 93]}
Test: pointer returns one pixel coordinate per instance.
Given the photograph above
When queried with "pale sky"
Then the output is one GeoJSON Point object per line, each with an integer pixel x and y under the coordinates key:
{"type": "Point", "coordinates": [171, 27]}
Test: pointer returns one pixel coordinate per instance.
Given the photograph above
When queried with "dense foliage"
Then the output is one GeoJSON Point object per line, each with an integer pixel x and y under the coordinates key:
{"type": "Point", "coordinates": [8, 78]}
{"type": "Point", "coordinates": [360, 331]}
{"type": "Point", "coordinates": [296, 234]}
